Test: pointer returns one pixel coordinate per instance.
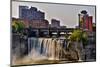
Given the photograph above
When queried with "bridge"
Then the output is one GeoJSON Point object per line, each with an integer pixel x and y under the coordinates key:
{"type": "Point", "coordinates": [48, 32]}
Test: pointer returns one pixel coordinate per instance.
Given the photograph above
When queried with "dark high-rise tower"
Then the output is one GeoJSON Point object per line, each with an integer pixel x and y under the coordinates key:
{"type": "Point", "coordinates": [30, 13]}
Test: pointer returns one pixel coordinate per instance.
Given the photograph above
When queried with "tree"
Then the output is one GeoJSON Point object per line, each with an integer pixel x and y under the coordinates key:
{"type": "Point", "coordinates": [76, 35]}
{"type": "Point", "coordinates": [79, 36]}
{"type": "Point", "coordinates": [20, 26]}
{"type": "Point", "coordinates": [78, 39]}
{"type": "Point", "coordinates": [17, 26]}
{"type": "Point", "coordinates": [84, 39]}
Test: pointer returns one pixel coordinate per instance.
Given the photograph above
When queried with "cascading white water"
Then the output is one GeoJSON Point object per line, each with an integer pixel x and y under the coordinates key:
{"type": "Point", "coordinates": [49, 48]}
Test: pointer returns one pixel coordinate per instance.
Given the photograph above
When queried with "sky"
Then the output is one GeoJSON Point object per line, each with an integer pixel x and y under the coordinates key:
{"type": "Point", "coordinates": [66, 13]}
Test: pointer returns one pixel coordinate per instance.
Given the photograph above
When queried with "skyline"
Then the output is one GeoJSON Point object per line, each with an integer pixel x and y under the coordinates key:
{"type": "Point", "coordinates": [68, 17]}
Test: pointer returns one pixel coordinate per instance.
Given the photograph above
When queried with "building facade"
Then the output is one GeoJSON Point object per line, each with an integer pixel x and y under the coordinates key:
{"type": "Point", "coordinates": [55, 23]}
{"type": "Point", "coordinates": [30, 13]}
{"type": "Point", "coordinates": [32, 17]}
{"type": "Point", "coordinates": [85, 21]}
{"type": "Point", "coordinates": [39, 24]}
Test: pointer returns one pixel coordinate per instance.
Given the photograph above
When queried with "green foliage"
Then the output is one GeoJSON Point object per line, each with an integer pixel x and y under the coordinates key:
{"type": "Point", "coordinates": [17, 26]}
{"type": "Point", "coordinates": [76, 35]}
{"type": "Point", "coordinates": [85, 38]}
{"type": "Point", "coordinates": [79, 35]}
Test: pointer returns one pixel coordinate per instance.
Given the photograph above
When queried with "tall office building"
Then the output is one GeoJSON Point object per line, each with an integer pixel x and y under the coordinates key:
{"type": "Point", "coordinates": [30, 13]}
{"type": "Point", "coordinates": [85, 21]}
{"type": "Point", "coordinates": [21, 10]}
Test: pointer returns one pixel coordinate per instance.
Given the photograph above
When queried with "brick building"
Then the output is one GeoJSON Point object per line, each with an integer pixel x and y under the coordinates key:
{"type": "Point", "coordinates": [85, 21]}
{"type": "Point", "coordinates": [39, 24]}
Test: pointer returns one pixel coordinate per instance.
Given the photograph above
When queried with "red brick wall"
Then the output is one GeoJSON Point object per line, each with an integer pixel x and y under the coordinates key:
{"type": "Point", "coordinates": [90, 23]}
{"type": "Point", "coordinates": [39, 23]}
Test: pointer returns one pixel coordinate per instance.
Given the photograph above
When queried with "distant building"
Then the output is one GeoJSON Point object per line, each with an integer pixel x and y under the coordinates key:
{"type": "Point", "coordinates": [30, 13]}
{"type": "Point", "coordinates": [55, 23]}
{"type": "Point", "coordinates": [39, 24]}
{"type": "Point", "coordinates": [63, 27]}
{"type": "Point", "coordinates": [90, 23]}
{"type": "Point", "coordinates": [85, 21]}
{"type": "Point", "coordinates": [33, 23]}
{"type": "Point", "coordinates": [32, 17]}
{"type": "Point", "coordinates": [26, 23]}
{"type": "Point", "coordinates": [21, 8]}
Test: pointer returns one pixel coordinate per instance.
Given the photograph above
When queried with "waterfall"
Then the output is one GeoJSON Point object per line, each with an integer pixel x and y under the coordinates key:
{"type": "Point", "coordinates": [50, 48]}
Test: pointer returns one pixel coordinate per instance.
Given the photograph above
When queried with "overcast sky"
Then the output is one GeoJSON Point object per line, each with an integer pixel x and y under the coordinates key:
{"type": "Point", "coordinates": [67, 14]}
